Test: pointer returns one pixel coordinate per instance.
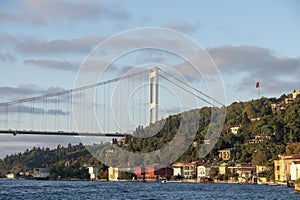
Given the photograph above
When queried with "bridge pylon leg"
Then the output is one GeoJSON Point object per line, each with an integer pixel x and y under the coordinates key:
{"type": "Point", "coordinates": [153, 96]}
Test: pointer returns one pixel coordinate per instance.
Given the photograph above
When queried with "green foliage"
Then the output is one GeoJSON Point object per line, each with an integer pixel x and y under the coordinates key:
{"type": "Point", "coordinates": [260, 157]}
{"type": "Point", "coordinates": [126, 175]}
{"type": "Point", "coordinates": [213, 173]}
{"type": "Point", "coordinates": [297, 181]}
{"type": "Point", "coordinates": [255, 118]}
{"type": "Point", "coordinates": [64, 162]}
{"type": "Point", "coordinates": [293, 148]}
{"type": "Point", "coordinates": [73, 170]}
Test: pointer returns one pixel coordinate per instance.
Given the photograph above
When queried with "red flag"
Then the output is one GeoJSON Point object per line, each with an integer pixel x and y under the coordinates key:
{"type": "Point", "coordinates": [257, 84]}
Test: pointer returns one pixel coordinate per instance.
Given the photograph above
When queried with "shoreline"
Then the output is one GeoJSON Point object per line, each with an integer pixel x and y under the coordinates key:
{"type": "Point", "coordinates": [140, 181]}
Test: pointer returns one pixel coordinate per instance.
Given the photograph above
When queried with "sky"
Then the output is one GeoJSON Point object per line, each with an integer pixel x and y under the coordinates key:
{"type": "Point", "coordinates": [43, 43]}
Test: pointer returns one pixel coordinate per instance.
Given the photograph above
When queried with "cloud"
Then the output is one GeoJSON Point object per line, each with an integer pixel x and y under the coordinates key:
{"type": "Point", "coordinates": [8, 41]}
{"type": "Point", "coordinates": [258, 62]}
{"type": "Point", "coordinates": [35, 110]}
{"type": "Point", "coordinates": [52, 64]}
{"type": "Point", "coordinates": [6, 57]}
{"type": "Point", "coordinates": [183, 26]}
{"type": "Point", "coordinates": [30, 46]}
{"type": "Point", "coordinates": [277, 74]}
{"type": "Point", "coordinates": [43, 12]}
{"type": "Point", "coordinates": [25, 45]}
{"type": "Point", "coordinates": [24, 91]}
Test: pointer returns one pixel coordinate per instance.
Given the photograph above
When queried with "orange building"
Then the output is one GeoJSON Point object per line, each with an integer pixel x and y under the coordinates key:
{"type": "Point", "coordinates": [153, 172]}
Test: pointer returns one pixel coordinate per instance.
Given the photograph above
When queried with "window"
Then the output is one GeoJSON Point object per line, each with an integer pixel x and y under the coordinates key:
{"type": "Point", "coordinates": [278, 177]}
{"type": "Point", "coordinates": [278, 167]}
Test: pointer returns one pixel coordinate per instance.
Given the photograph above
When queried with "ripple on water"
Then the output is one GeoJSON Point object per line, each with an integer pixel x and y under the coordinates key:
{"type": "Point", "coordinates": [30, 189]}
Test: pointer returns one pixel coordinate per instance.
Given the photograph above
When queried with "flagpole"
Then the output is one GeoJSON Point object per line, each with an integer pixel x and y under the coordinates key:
{"type": "Point", "coordinates": [258, 89]}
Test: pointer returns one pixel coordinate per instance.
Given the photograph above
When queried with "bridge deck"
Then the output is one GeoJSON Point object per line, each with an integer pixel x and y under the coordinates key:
{"type": "Point", "coordinates": [61, 133]}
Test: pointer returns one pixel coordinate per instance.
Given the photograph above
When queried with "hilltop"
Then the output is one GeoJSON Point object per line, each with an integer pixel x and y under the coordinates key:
{"type": "Point", "coordinates": [258, 131]}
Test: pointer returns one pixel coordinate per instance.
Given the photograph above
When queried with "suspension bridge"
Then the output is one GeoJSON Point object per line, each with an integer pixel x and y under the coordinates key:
{"type": "Point", "coordinates": [111, 108]}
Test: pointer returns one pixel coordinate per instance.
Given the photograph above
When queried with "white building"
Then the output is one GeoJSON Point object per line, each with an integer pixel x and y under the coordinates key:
{"type": "Point", "coordinates": [203, 171]}
{"type": "Point", "coordinates": [41, 173]}
{"type": "Point", "coordinates": [295, 170]}
{"type": "Point", "coordinates": [11, 176]}
{"type": "Point", "coordinates": [93, 171]}
{"type": "Point", "coordinates": [178, 171]}
{"type": "Point", "coordinates": [234, 130]}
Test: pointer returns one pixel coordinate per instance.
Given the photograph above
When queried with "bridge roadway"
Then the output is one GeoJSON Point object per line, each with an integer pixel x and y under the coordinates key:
{"type": "Point", "coordinates": [60, 133]}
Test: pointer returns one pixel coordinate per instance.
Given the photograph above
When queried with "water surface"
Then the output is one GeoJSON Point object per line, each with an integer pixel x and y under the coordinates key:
{"type": "Point", "coordinates": [30, 189]}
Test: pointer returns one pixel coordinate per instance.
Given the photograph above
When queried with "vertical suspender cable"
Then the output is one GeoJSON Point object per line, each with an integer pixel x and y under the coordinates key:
{"type": "Point", "coordinates": [46, 113]}
{"type": "Point", "coordinates": [6, 117]}
{"type": "Point", "coordinates": [96, 109]}
{"type": "Point", "coordinates": [104, 113]}
{"type": "Point", "coordinates": [58, 112]}
{"type": "Point", "coordinates": [70, 110]}
{"type": "Point", "coordinates": [19, 115]}
{"type": "Point", "coordinates": [139, 100]}
{"type": "Point", "coordinates": [43, 123]}
{"type": "Point", "coordinates": [108, 108]}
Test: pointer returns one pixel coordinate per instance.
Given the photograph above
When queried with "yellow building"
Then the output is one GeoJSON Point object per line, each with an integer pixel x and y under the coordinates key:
{"type": "Point", "coordinates": [295, 94]}
{"type": "Point", "coordinates": [226, 154]}
{"type": "Point", "coordinates": [282, 167]}
{"type": "Point", "coordinates": [190, 170]}
{"type": "Point", "coordinates": [261, 173]}
{"type": "Point", "coordinates": [222, 168]}
{"type": "Point", "coordinates": [114, 173]}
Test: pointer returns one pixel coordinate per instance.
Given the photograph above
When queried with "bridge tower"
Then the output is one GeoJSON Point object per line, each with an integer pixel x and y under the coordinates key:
{"type": "Point", "coordinates": [153, 96]}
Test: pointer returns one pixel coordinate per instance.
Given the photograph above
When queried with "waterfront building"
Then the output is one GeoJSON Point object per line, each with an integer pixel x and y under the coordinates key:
{"type": "Point", "coordinates": [282, 167]}
{"type": "Point", "coordinates": [93, 171]}
{"type": "Point", "coordinates": [245, 175]}
{"type": "Point", "coordinates": [244, 172]}
{"type": "Point", "coordinates": [178, 170]}
{"type": "Point", "coordinates": [115, 173]}
{"type": "Point", "coordinates": [261, 173]}
{"type": "Point", "coordinates": [41, 173]}
{"type": "Point", "coordinates": [203, 171]}
{"type": "Point", "coordinates": [190, 170]}
{"type": "Point", "coordinates": [11, 176]}
{"type": "Point", "coordinates": [295, 170]}
{"type": "Point", "coordinates": [222, 168]}
{"type": "Point", "coordinates": [153, 173]}
{"type": "Point", "coordinates": [140, 173]}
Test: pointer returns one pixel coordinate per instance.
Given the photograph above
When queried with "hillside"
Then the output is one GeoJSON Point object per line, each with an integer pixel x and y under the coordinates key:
{"type": "Point", "coordinates": [266, 128]}
{"type": "Point", "coordinates": [264, 132]}
{"type": "Point", "coordinates": [65, 162]}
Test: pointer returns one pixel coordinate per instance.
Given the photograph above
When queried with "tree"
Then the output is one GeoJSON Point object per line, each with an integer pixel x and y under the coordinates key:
{"type": "Point", "coordinates": [260, 157]}
{"type": "Point", "coordinates": [293, 148]}
{"type": "Point", "coordinates": [245, 120]}
{"type": "Point", "coordinates": [213, 173]}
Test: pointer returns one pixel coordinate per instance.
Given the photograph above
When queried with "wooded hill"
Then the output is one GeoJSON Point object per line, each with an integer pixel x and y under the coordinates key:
{"type": "Point", "coordinates": [264, 133]}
